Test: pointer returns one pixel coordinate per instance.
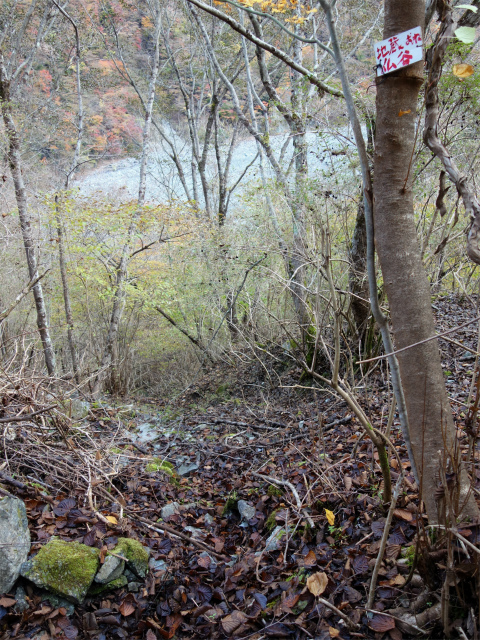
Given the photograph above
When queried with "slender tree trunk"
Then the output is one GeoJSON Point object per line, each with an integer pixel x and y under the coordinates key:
{"type": "Point", "coordinates": [295, 255]}
{"type": "Point", "coordinates": [58, 213]}
{"type": "Point", "coordinates": [66, 290]}
{"type": "Point", "coordinates": [429, 414]}
{"type": "Point", "coordinates": [15, 162]}
{"type": "Point", "coordinates": [357, 274]}
{"type": "Point", "coordinates": [108, 358]}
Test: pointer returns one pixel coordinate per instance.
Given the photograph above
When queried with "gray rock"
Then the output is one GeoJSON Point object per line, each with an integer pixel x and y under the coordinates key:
{"type": "Point", "coordinates": [110, 570]}
{"type": "Point", "coordinates": [129, 575]}
{"type": "Point", "coordinates": [196, 533]}
{"type": "Point", "coordinates": [134, 587]}
{"type": "Point", "coordinates": [170, 509]}
{"type": "Point", "coordinates": [96, 588]}
{"type": "Point", "coordinates": [246, 510]}
{"type": "Point", "coordinates": [56, 602]}
{"type": "Point", "coordinates": [274, 541]}
{"type": "Point", "coordinates": [157, 565]}
{"type": "Point", "coordinates": [208, 519]}
{"type": "Point", "coordinates": [121, 462]}
{"type": "Point", "coordinates": [14, 540]}
{"type": "Point", "coordinates": [79, 409]}
{"type": "Point", "coordinates": [21, 598]}
{"type": "Point", "coordinates": [186, 469]}
{"type": "Point", "coordinates": [467, 356]}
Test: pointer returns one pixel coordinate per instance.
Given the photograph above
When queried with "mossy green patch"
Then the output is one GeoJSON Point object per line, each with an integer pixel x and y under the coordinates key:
{"type": "Point", "coordinates": [65, 568]}
{"type": "Point", "coordinates": [114, 584]}
{"type": "Point", "coordinates": [270, 522]}
{"type": "Point", "coordinates": [409, 554]}
{"type": "Point", "coordinates": [275, 491]}
{"type": "Point", "coordinates": [135, 554]}
{"type": "Point", "coordinates": [231, 503]}
{"type": "Point", "coordinates": [160, 465]}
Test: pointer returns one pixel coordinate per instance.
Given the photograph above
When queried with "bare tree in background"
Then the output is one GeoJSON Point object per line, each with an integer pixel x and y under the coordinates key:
{"type": "Point", "coordinates": [20, 40]}
{"type": "Point", "coordinates": [109, 353]}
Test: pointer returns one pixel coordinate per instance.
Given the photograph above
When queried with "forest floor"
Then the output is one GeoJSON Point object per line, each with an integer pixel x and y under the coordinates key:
{"type": "Point", "coordinates": [240, 428]}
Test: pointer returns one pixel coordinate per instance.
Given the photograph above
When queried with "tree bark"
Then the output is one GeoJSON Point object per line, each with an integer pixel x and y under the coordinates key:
{"type": "Point", "coordinates": [429, 414]}
{"type": "Point", "coordinates": [15, 162]}
{"type": "Point", "coordinates": [58, 212]}
{"type": "Point", "coordinates": [108, 357]}
{"type": "Point", "coordinates": [66, 290]}
{"type": "Point", "coordinates": [357, 274]}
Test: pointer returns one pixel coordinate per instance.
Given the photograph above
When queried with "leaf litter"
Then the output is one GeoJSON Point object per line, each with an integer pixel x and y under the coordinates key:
{"type": "Point", "coordinates": [212, 573]}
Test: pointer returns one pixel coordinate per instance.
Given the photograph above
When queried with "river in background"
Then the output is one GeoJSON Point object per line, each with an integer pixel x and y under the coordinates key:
{"type": "Point", "coordinates": [120, 178]}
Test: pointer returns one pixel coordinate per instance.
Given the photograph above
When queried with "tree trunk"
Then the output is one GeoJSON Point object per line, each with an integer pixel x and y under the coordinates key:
{"type": "Point", "coordinates": [108, 357]}
{"type": "Point", "coordinates": [357, 275]}
{"type": "Point", "coordinates": [66, 290]}
{"type": "Point", "coordinates": [429, 414]}
{"type": "Point", "coordinates": [58, 213]}
{"type": "Point", "coordinates": [15, 162]}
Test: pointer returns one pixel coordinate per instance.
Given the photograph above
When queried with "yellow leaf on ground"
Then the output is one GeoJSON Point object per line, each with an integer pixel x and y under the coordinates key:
{"type": "Point", "coordinates": [112, 519]}
{"type": "Point", "coordinates": [463, 70]}
{"type": "Point", "coordinates": [330, 516]}
{"type": "Point", "coordinates": [334, 633]}
{"type": "Point", "coordinates": [317, 583]}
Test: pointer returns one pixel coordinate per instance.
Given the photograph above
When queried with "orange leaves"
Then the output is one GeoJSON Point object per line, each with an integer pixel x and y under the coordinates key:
{"type": "Point", "coordinates": [463, 70]}
{"type": "Point", "coordinates": [302, 11]}
{"type": "Point", "coordinates": [317, 583]}
{"type": "Point", "coordinates": [147, 22]}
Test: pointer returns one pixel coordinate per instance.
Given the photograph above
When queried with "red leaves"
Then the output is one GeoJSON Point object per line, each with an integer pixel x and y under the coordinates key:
{"type": "Point", "coordinates": [403, 514]}
{"type": "Point", "coordinates": [232, 622]}
{"type": "Point", "coordinates": [204, 561]}
{"type": "Point", "coordinates": [7, 602]}
{"type": "Point", "coordinates": [381, 623]}
{"type": "Point", "coordinates": [360, 564]}
{"type": "Point", "coordinates": [64, 506]}
{"type": "Point", "coordinates": [127, 607]}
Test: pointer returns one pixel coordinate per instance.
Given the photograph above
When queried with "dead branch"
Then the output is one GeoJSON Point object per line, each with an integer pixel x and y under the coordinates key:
{"type": "Point", "coordinates": [286, 483]}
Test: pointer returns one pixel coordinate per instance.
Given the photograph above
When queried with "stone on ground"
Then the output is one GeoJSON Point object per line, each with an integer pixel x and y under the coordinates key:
{"type": "Point", "coordinates": [65, 568]}
{"type": "Point", "coordinates": [170, 509]}
{"type": "Point", "coordinates": [274, 541]}
{"type": "Point", "coordinates": [246, 510]}
{"type": "Point", "coordinates": [110, 570]}
{"type": "Point", "coordinates": [135, 554]}
{"type": "Point", "coordinates": [14, 540]}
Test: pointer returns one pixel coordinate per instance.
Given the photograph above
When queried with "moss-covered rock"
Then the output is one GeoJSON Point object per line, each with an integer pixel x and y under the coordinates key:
{"type": "Point", "coordinates": [135, 554]}
{"type": "Point", "coordinates": [95, 589]}
{"type": "Point", "coordinates": [65, 568]}
{"type": "Point", "coordinates": [157, 464]}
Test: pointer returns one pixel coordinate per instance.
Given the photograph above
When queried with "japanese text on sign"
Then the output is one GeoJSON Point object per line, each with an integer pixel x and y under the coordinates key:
{"type": "Point", "coordinates": [399, 51]}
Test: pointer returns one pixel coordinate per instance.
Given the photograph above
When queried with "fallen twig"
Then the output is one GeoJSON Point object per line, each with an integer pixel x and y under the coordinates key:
{"type": "Point", "coordinates": [286, 483]}
{"type": "Point", "coordinates": [410, 624]}
{"type": "Point", "coordinates": [383, 543]}
{"type": "Point", "coordinates": [346, 619]}
{"type": "Point", "coordinates": [28, 416]}
{"type": "Point", "coordinates": [164, 528]}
